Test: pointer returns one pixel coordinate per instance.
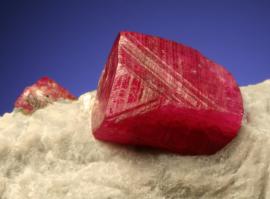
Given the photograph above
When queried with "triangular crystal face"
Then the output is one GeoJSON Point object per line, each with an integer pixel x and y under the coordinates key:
{"type": "Point", "coordinates": [159, 93]}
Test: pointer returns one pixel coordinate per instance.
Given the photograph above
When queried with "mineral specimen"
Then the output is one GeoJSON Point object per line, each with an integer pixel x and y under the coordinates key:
{"type": "Point", "coordinates": [159, 93]}
{"type": "Point", "coordinates": [51, 155]}
{"type": "Point", "coordinates": [41, 93]}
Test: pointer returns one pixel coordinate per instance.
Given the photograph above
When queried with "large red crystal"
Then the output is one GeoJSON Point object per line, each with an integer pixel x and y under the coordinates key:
{"type": "Point", "coordinates": [38, 95]}
{"type": "Point", "coordinates": [159, 93]}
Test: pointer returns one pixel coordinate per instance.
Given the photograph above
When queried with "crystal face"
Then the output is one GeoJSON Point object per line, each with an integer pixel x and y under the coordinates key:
{"type": "Point", "coordinates": [159, 93]}
{"type": "Point", "coordinates": [38, 95]}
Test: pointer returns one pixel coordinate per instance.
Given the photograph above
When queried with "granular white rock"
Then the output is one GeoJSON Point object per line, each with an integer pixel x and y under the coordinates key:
{"type": "Point", "coordinates": [52, 155]}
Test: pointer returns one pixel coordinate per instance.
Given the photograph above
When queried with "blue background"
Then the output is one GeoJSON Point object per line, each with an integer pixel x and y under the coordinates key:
{"type": "Point", "coordinates": [69, 41]}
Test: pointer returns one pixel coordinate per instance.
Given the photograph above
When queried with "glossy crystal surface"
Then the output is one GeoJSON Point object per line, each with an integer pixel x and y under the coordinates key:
{"type": "Point", "coordinates": [38, 95]}
{"type": "Point", "coordinates": [159, 93]}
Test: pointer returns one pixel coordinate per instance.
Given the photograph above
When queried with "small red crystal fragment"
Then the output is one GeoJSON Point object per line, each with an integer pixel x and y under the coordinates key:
{"type": "Point", "coordinates": [159, 93]}
{"type": "Point", "coordinates": [38, 95]}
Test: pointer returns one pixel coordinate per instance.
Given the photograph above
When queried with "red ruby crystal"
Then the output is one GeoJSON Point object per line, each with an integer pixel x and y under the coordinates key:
{"type": "Point", "coordinates": [159, 93]}
{"type": "Point", "coordinates": [41, 93]}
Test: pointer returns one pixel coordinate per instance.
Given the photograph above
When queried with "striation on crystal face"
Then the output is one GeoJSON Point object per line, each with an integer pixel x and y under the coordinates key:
{"type": "Point", "coordinates": [162, 94]}
{"type": "Point", "coordinates": [38, 95]}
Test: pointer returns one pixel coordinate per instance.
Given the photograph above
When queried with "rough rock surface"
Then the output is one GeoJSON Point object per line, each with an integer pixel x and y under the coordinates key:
{"type": "Point", "coordinates": [51, 154]}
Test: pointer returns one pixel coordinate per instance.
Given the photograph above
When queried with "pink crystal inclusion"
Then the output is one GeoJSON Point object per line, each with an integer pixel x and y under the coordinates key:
{"type": "Point", "coordinates": [40, 94]}
{"type": "Point", "coordinates": [159, 93]}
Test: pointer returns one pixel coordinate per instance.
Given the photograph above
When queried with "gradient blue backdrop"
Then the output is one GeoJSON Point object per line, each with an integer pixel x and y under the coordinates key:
{"type": "Point", "coordinates": [70, 40]}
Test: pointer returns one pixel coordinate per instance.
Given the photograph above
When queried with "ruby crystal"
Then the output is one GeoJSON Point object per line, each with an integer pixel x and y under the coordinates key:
{"type": "Point", "coordinates": [43, 92]}
{"type": "Point", "coordinates": [159, 93]}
